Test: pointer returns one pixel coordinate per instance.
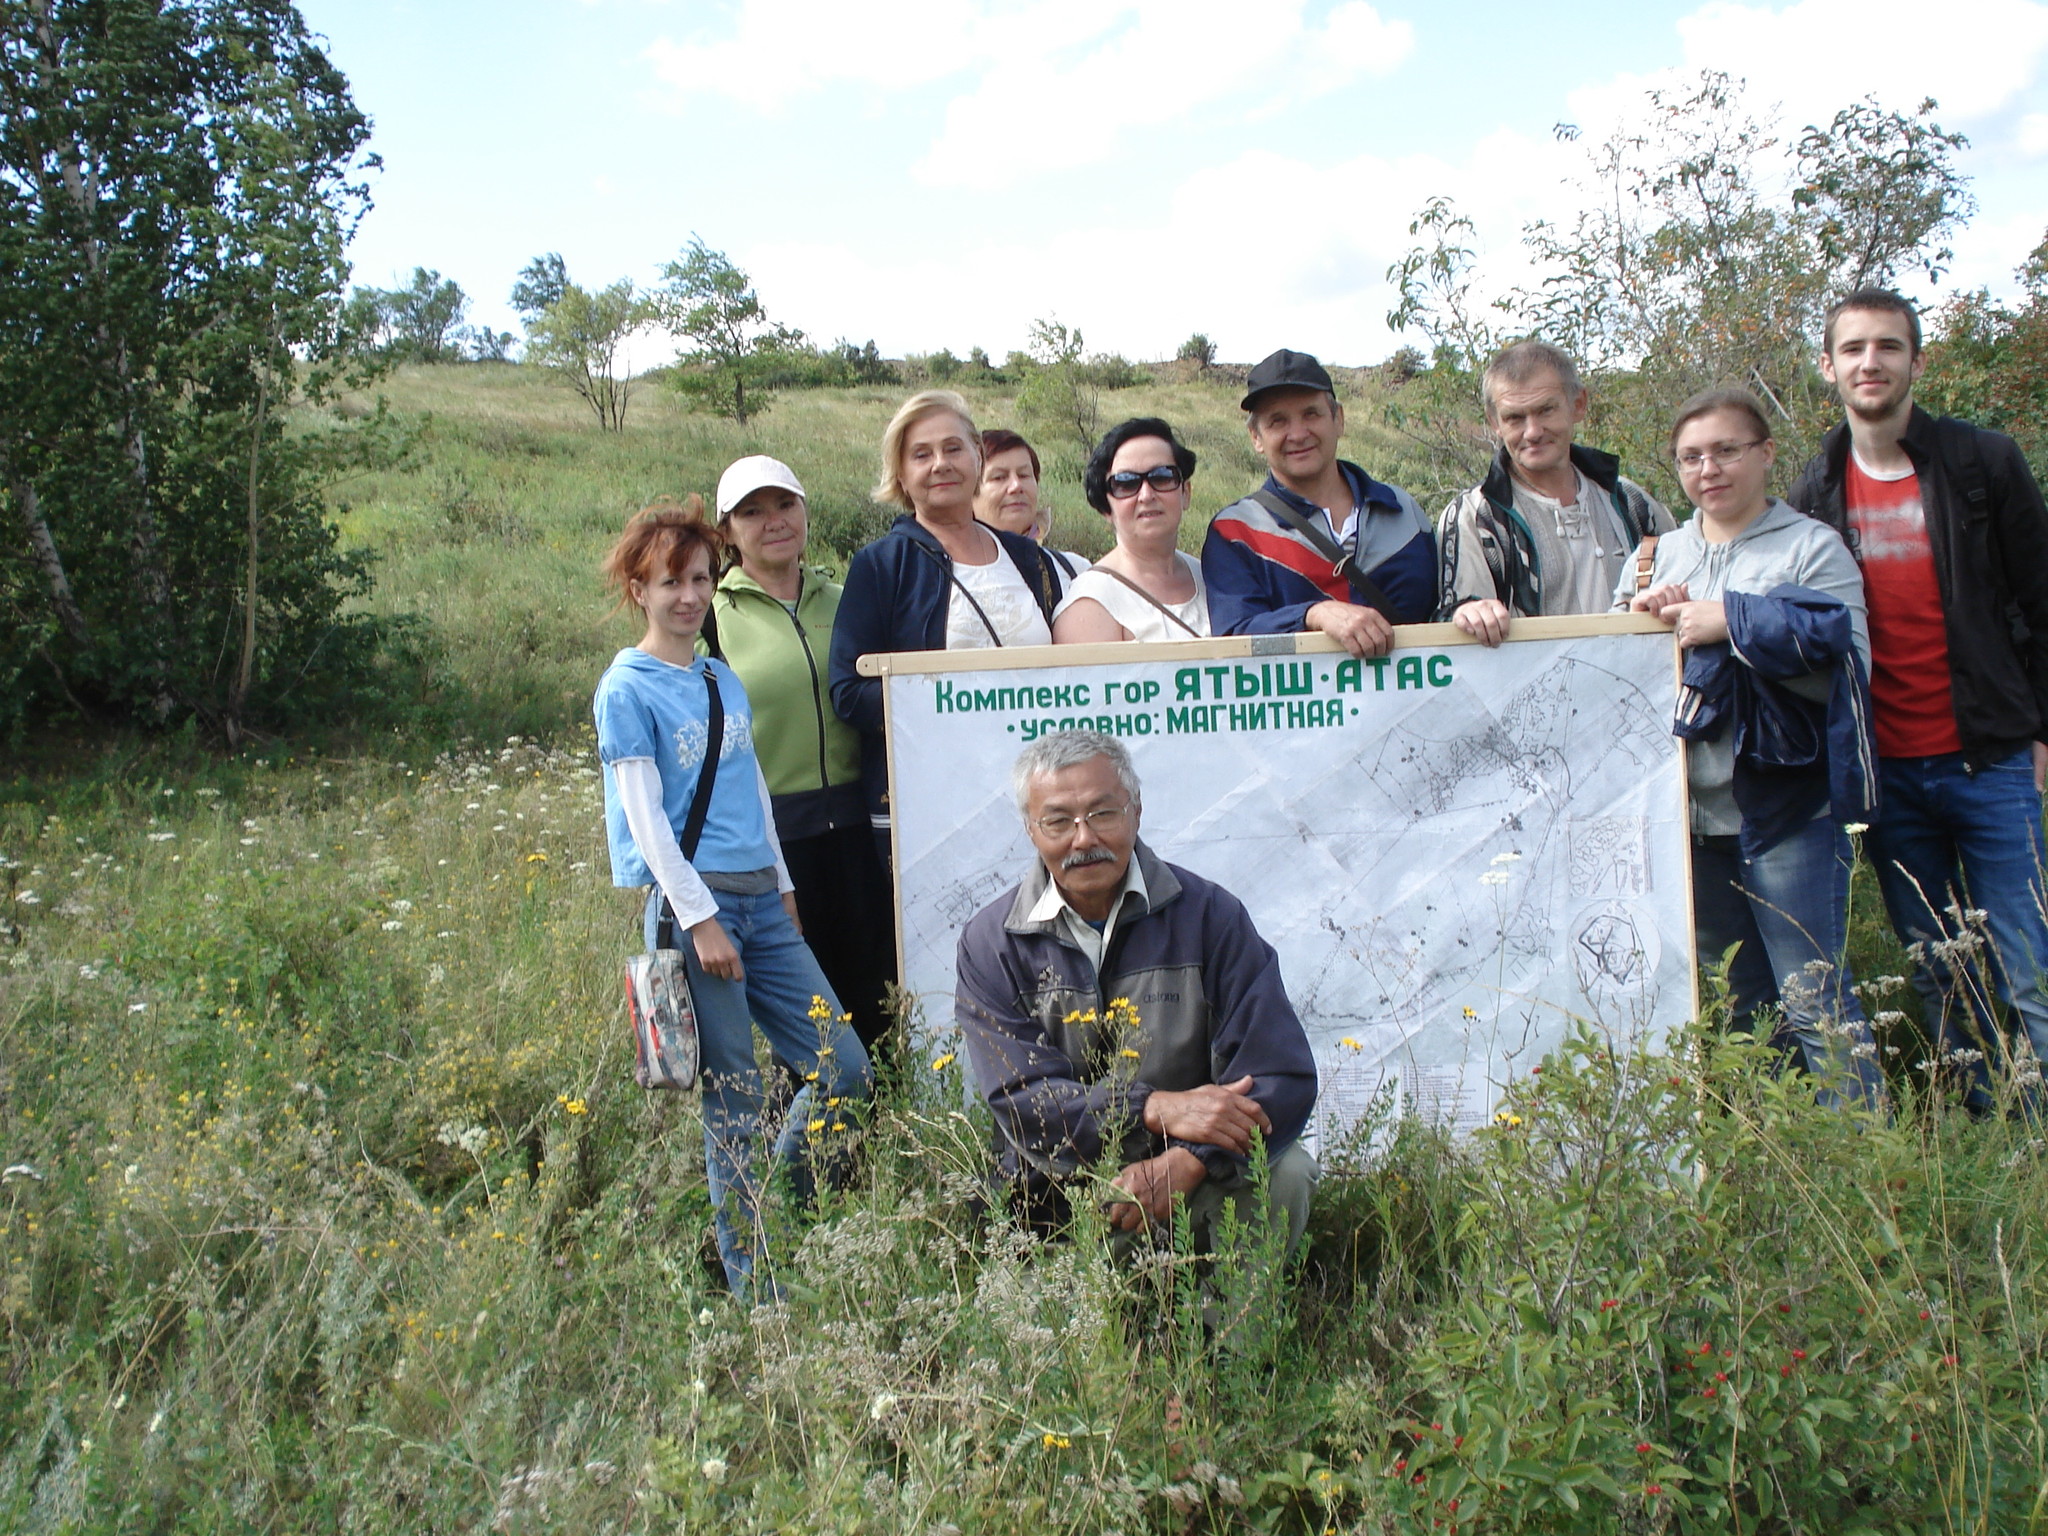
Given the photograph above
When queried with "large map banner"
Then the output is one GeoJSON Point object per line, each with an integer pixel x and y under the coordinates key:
{"type": "Point", "coordinates": [1455, 850]}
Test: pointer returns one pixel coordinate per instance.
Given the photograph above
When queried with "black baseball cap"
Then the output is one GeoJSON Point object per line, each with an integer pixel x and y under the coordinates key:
{"type": "Point", "coordinates": [1286, 370]}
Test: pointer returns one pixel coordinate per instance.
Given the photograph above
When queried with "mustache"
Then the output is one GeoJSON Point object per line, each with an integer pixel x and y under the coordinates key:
{"type": "Point", "coordinates": [1081, 857]}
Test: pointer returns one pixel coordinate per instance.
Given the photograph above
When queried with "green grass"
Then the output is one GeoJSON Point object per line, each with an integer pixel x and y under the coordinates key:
{"type": "Point", "coordinates": [492, 529]}
{"type": "Point", "coordinates": [341, 1213]}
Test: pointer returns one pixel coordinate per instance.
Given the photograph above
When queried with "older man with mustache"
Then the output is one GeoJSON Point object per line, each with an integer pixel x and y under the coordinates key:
{"type": "Point", "coordinates": [1121, 1011]}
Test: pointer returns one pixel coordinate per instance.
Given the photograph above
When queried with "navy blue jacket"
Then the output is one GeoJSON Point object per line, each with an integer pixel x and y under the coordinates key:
{"type": "Point", "coordinates": [1793, 755]}
{"type": "Point", "coordinates": [895, 599]}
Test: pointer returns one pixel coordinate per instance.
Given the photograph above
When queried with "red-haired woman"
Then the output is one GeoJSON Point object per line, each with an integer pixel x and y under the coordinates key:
{"type": "Point", "coordinates": [727, 900]}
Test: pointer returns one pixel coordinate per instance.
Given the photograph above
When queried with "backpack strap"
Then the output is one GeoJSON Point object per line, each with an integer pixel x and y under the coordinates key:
{"type": "Point", "coordinates": [1646, 561]}
{"type": "Point", "coordinates": [1962, 462]}
{"type": "Point", "coordinates": [1342, 561]}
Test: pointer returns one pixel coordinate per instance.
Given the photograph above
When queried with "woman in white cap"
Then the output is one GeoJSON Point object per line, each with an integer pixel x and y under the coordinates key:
{"type": "Point", "coordinates": [771, 622]}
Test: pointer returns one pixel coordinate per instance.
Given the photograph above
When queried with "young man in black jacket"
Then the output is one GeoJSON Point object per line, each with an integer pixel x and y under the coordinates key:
{"type": "Point", "coordinates": [1949, 529]}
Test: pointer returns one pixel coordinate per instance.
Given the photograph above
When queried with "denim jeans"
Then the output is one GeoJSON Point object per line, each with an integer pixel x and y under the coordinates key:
{"type": "Point", "coordinates": [1789, 910]}
{"type": "Point", "coordinates": [782, 990]}
{"type": "Point", "coordinates": [1949, 836]}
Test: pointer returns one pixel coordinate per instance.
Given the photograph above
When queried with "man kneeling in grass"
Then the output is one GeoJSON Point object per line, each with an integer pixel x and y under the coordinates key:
{"type": "Point", "coordinates": [1114, 1004]}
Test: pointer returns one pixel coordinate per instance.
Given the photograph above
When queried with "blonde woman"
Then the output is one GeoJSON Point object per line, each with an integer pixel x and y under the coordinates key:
{"type": "Point", "coordinates": [938, 580]}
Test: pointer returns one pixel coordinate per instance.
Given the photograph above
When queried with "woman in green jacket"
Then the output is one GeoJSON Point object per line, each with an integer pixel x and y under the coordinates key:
{"type": "Point", "coordinates": [773, 617]}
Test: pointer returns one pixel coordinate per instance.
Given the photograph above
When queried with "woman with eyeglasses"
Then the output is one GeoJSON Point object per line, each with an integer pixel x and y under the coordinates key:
{"type": "Point", "coordinates": [938, 580]}
{"type": "Point", "coordinates": [1146, 588]}
{"type": "Point", "coordinates": [1767, 605]}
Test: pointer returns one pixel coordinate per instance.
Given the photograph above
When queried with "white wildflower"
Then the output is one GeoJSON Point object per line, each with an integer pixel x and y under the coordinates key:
{"type": "Point", "coordinates": [714, 1469]}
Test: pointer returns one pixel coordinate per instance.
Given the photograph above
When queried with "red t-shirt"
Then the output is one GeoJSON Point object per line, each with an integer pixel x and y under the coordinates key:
{"type": "Point", "coordinates": [1909, 682]}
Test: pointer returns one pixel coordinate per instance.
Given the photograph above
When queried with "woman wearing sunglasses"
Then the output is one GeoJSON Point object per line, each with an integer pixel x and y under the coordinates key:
{"type": "Point", "coordinates": [1145, 588]}
{"type": "Point", "coordinates": [1768, 607]}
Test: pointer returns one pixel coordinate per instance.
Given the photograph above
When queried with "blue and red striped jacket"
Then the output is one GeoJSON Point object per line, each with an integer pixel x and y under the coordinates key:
{"type": "Point", "coordinates": [1263, 577]}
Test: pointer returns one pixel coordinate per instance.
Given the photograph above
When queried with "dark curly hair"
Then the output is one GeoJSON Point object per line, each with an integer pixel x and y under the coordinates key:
{"type": "Point", "coordinates": [1095, 479]}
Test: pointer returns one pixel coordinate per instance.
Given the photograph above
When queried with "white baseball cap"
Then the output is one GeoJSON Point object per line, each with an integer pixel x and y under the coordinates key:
{"type": "Point", "coordinates": [745, 476]}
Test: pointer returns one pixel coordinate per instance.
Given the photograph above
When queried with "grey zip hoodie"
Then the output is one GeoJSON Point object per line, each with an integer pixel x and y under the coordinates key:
{"type": "Point", "coordinates": [1780, 546]}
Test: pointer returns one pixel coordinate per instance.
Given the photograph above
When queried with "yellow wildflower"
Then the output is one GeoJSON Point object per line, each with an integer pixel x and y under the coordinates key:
{"type": "Point", "coordinates": [815, 1126]}
{"type": "Point", "coordinates": [940, 1063]}
{"type": "Point", "coordinates": [576, 1107]}
{"type": "Point", "coordinates": [1471, 1013]}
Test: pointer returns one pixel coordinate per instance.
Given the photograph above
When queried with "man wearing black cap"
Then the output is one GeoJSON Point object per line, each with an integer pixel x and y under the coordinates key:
{"type": "Point", "coordinates": [1322, 545]}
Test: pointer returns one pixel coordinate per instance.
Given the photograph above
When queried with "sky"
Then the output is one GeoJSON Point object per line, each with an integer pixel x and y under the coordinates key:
{"type": "Point", "coordinates": [940, 173]}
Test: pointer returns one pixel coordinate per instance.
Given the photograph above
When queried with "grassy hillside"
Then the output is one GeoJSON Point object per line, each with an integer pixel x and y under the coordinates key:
{"type": "Point", "coordinates": [493, 527]}
{"type": "Point", "coordinates": [327, 1205]}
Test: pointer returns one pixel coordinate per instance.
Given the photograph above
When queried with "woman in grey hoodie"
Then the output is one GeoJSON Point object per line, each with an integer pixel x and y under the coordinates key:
{"type": "Point", "coordinates": [1786, 903]}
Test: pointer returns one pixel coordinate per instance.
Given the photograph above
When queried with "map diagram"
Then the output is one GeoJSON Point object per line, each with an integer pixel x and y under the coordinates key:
{"type": "Point", "coordinates": [1451, 875]}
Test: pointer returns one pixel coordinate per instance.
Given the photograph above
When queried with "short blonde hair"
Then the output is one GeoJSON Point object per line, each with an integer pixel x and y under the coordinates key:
{"type": "Point", "coordinates": [926, 402]}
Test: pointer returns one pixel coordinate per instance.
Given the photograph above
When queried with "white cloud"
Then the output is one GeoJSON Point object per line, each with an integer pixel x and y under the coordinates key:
{"type": "Point", "coordinates": [782, 49]}
{"type": "Point", "coordinates": [779, 50]}
{"type": "Point", "coordinates": [1063, 97]}
{"type": "Point", "coordinates": [1171, 60]}
{"type": "Point", "coordinates": [1053, 81]}
{"type": "Point", "coordinates": [1139, 291]}
{"type": "Point", "coordinates": [1812, 58]}
{"type": "Point", "coordinates": [1973, 56]}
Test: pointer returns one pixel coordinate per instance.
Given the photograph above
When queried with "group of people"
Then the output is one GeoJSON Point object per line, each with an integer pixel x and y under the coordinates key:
{"type": "Point", "coordinates": [1873, 650]}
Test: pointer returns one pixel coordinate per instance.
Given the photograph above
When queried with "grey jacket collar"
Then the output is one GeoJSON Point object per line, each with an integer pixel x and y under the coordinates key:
{"type": "Point", "coordinates": [1161, 887]}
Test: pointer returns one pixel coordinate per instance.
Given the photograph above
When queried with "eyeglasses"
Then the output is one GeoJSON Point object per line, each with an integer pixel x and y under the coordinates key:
{"type": "Point", "coordinates": [1100, 822]}
{"type": "Point", "coordinates": [1692, 461]}
{"type": "Point", "coordinates": [1163, 478]}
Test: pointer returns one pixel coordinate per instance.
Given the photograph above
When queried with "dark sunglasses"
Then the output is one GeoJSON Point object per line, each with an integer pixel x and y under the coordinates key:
{"type": "Point", "coordinates": [1163, 478]}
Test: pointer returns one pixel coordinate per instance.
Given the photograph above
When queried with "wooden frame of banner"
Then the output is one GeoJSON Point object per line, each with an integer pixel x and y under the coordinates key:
{"type": "Point", "coordinates": [1407, 637]}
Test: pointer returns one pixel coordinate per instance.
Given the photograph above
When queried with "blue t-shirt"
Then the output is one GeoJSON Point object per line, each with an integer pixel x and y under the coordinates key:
{"type": "Point", "coordinates": [646, 707]}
